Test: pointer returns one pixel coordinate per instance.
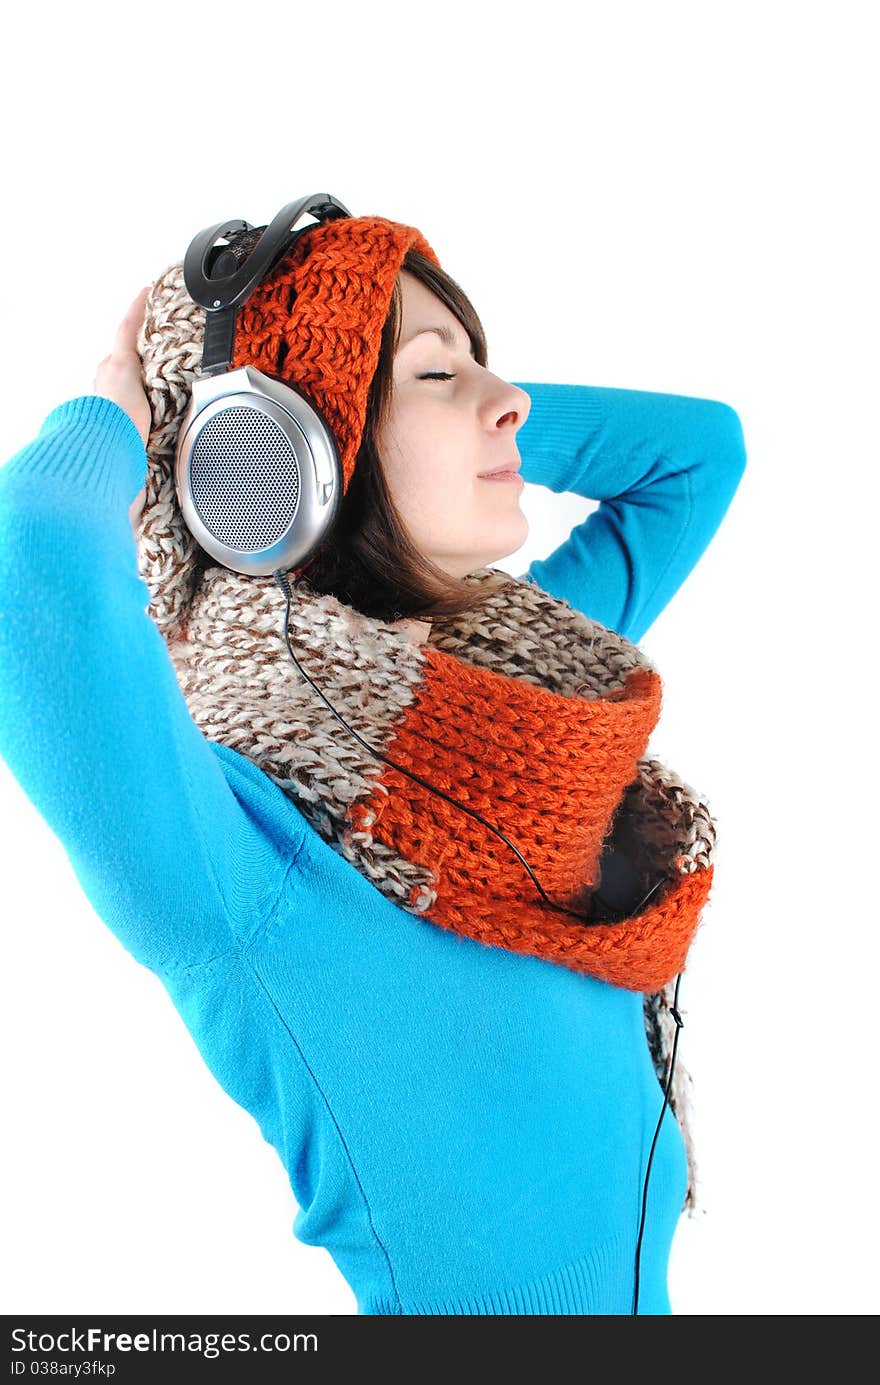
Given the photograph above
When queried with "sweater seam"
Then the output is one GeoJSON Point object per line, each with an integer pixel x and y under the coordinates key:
{"type": "Point", "coordinates": [237, 939]}
{"type": "Point", "coordinates": [168, 965]}
{"type": "Point", "coordinates": [645, 603]}
{"type": "Point", "coordinates": [342, 1140]}
{"type": "Point", "coordinates": [239, 945]}
{"type": "Point", "coordinates": [240, 951]}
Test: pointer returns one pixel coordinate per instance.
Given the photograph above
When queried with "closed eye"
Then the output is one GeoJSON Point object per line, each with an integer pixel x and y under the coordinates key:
{"type": "Point", "coordinates": [437, 375]}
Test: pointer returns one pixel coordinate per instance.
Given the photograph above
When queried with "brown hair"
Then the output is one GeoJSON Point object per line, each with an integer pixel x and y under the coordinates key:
{"type": "Point", "coordinates": [369, 560]}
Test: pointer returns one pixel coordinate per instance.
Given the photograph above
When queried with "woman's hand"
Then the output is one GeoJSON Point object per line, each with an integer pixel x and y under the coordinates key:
{"type": "Point", "coordinates": [119, 377]}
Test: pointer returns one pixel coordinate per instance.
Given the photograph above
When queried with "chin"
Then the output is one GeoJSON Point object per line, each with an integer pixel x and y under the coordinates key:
{"type": "Point", "coordinates": [494, 558]}
{"type": "Point", "coordinates": [517, 536]}
{"type": "Point", "coordinates": [508, 544]}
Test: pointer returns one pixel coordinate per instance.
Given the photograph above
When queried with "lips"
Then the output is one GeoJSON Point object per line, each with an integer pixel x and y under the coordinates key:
{"type": "Point", "coordinates": [505, 469]}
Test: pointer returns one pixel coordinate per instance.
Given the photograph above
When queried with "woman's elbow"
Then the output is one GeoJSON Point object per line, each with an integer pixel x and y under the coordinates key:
{"type": "Point", "coordinates": [721, 461]}
{"type": "Point", "coordinates": [728, 443]}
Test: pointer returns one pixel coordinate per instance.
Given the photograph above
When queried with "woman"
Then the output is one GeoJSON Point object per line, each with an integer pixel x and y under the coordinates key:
{"type": "Point", "coordinates": [383, 825]}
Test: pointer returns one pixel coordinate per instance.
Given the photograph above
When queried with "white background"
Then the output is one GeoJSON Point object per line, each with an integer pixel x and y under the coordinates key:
{"type": "Point", "coordinates": [677, 197]}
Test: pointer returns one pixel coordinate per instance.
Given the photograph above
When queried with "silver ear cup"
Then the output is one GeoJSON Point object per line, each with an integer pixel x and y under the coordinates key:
{"type": "Point", "coordinates": [257, 472]}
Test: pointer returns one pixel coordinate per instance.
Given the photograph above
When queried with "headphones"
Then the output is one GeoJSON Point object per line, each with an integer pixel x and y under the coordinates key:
{"type": "Point", "coordinates": [257, 470]}
{"type": "Point", "coordinates": [258, 476]}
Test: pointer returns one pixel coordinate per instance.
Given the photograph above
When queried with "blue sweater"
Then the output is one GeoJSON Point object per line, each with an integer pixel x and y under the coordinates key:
{"type": "Point", "coordinates": [465, 1129]}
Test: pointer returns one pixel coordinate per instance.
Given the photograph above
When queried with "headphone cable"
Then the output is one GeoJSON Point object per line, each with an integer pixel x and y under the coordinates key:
{"type": "Point", "coordinates": [280, 578]}
{"type": "Point", "coordinates": [679, 1024]}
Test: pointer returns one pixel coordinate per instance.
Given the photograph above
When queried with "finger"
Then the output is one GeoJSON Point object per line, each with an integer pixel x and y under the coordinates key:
{"type": "Point", "coordinates": [127, 332]}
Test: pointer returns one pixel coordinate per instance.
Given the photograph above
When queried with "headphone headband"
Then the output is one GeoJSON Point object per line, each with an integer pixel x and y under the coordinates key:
{"type": "Point", "coordinates": [221, 293]}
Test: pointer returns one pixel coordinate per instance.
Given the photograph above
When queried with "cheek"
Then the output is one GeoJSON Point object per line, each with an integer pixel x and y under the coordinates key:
{"type": "Point", "coordinates": [425, 464]}
{"type": "Point", "coordinates": [430, 498]}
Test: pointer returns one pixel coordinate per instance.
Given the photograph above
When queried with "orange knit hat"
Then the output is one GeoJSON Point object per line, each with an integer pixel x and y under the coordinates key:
{"type": "Point", "coordinates": [316, 321]}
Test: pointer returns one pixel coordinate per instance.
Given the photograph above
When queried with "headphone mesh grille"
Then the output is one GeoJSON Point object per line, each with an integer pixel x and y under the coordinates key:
{"type": "Point", "coordinates": [244, 479]}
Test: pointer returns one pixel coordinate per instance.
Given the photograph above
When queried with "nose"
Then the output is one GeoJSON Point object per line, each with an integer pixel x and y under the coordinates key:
{"type": "Point", "coordinates": [510, 405]}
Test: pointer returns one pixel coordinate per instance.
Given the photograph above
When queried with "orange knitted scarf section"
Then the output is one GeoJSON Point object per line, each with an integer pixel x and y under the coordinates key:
{"type": "Point", "coordinates": [549, 772]}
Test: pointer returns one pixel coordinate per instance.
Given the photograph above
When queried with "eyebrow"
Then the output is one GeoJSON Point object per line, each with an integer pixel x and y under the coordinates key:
{"type": "Point", "coordinates": [444, 333]}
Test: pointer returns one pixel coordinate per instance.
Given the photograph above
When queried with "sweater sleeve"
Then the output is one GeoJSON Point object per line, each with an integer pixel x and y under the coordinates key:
{"type": "Point", "coordinates": [177, 842]}
{"type": "Point", "coordinates": [664, 469]}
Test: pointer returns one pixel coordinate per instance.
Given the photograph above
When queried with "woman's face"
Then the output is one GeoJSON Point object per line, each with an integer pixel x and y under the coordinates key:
{"type": "Point", "coordinates": [443, 434]}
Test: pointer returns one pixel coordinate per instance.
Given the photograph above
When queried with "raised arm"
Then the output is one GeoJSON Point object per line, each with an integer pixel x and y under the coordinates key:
{"type": "Point", "coordinates": [664, 468]}
{"type": "Point", "coordinates": [168, 834]}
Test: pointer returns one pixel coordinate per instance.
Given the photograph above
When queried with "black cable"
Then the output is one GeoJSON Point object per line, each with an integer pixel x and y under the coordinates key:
{"type": "Point", "coordinates": [281, 579]}
{"type": "Point", "coordinates": [679, 1023]}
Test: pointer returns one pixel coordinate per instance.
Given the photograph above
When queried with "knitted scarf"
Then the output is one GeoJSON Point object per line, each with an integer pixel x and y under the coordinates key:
{"type": "Point", "coordinates": [525, 711]}
{"type": "Point", "coordinates": [533, 717]}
